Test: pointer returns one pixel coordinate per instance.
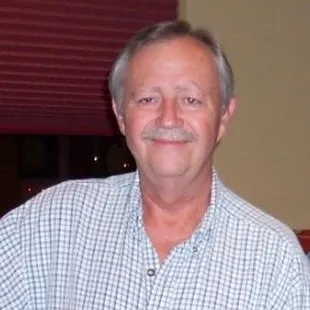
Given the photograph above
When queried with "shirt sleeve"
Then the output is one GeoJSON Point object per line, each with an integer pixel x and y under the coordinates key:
{"type": "Point", "coordinates": [12, 279]}
{"type": "Point", "coordinates": [292, 291]}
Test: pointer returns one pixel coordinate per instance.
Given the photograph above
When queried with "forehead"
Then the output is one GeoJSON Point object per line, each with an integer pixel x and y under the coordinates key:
{"type": "Point", "coordinates": [173, 56]}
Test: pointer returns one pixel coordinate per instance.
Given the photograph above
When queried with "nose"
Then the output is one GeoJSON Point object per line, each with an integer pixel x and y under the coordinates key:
{"type": "Point", "coordinates": [169, 114]}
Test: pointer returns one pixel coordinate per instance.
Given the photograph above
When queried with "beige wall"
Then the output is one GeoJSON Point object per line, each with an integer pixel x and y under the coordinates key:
{"type": "Point", "coordinates": [266, 155]}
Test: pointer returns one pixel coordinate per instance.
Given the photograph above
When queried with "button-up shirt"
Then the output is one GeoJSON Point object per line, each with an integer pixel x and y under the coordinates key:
{"type": "Point", "coordinates": [83, 245]}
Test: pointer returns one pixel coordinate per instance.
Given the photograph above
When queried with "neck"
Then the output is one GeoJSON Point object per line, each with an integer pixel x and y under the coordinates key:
{"type": "Point", "coordinates": [172, 209]}
{"type": "Point", "coordinates": [176, 200]}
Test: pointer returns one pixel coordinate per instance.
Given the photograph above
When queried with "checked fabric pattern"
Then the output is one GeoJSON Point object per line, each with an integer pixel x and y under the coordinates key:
{"type": "Point", "coordinates": [82, 245]}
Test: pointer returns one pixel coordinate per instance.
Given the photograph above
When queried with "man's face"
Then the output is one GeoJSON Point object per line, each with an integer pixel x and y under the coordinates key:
{"type": "Point", "coordinates": [172, 116]}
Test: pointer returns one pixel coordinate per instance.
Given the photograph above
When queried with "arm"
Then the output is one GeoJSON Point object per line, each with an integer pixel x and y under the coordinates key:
{"type": "Point", "coordinates": [12, 277]}
{"type": "Point", "coordinates": [292, 291]}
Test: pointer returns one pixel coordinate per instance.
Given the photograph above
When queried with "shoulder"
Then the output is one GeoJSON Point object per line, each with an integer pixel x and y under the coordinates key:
{"type": "Point", "coordinates": [70, 200]}
{"type": "Point", "coordinates": [260, 236]}
{"type": "Point", "coordinates": [83, 190]}
{"type": "Point", "coordinates": [247, 213]}
{"type": "Point", "coordinates": [259, 224]}
{"type": "Point", "coordinates": [50, 226]}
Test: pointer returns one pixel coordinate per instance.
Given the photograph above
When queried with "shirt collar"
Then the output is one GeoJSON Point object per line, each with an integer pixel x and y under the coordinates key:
{"type": "Point", "coordinates": [209, 221]}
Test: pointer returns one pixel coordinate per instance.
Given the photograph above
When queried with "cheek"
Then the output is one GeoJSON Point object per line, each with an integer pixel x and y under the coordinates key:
{"type": "Point", "coordinates": [136, 122]}
{"type": "Point", "coordinates": [201, 125]}
{"type": "Point", "coordinates": [206, 129]}
{"type": "Point", "coordinates": [133, 127]}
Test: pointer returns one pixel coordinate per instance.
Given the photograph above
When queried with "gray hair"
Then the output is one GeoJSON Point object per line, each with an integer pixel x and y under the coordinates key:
{"type": "Point", "coordinates": [167, 31]}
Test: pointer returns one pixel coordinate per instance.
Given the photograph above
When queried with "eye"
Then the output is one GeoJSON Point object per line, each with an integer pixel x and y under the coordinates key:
{"type": "Point", "coordinates": [147, 100]}
{"type": "Point", "coordinates": [192, 101]}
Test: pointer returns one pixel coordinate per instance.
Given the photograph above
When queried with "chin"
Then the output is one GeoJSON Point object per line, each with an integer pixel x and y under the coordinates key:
{"type": "Point", "coordinates": [168, 172]}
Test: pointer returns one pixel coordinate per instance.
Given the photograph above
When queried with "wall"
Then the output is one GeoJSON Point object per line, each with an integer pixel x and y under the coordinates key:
{"type": "Point", "coordinates": [265, 156]}
{"type": "Point", "coordinates": [9, 174]}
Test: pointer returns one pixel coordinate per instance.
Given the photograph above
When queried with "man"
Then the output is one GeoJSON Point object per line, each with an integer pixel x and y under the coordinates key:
{"type": "Point", "coordinates": [170, 236]}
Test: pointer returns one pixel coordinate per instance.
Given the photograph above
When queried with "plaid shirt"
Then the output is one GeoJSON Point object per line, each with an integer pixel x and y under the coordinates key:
{"type": "Point", "coordinates": [82, 245]}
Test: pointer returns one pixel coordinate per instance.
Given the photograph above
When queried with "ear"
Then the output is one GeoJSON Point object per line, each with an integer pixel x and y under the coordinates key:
{"type": "Point", "coordinates": [119, 117]}
{"type": "Point", "coordinates": [225, 118]}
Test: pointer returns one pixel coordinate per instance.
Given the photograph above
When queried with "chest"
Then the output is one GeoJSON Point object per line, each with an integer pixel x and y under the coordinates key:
{"type": "Point", "coordinates": [124, 272]}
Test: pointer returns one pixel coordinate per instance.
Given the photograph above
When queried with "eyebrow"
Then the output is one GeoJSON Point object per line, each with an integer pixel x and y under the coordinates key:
{"type": "Point", "coordinates": [157, 89]}
{"type": "Point", "coordinates": [143, 88]}
{"type": "Point", "coordinates": [195, 85]}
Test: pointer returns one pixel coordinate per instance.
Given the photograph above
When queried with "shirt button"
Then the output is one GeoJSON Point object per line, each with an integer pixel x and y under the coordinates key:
{"type": "Point", "coordinates": [150, 272]}
{"type": "Point", "coordinates": [195, 249]}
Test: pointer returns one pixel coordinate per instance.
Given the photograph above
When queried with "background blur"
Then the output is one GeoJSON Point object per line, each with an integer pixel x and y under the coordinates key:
{"type": "Point", "coordinates": [265, 156]}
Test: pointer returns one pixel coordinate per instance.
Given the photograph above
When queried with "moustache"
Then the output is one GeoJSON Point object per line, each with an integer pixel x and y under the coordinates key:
{"type": "Point", "coordinates": [176, 134]}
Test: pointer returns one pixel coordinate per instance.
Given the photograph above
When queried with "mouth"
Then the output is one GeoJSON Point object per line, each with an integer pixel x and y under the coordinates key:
{"type": "Point", "coordinates": [169, 142]}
